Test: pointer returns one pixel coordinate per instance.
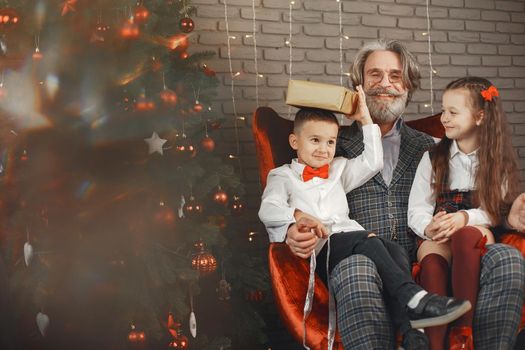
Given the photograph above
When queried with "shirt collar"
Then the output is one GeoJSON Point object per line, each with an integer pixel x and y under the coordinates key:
{"type": "Point", "coordinates": [297, 167]}
{"type": "Point", "coordinates": [396, 130]}
{"type": "Point", "coordinates": [454, 150]}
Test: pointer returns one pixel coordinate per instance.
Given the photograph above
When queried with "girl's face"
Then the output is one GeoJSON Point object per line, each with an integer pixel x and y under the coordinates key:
{"type": "Point", "coordinates": [458, 116]}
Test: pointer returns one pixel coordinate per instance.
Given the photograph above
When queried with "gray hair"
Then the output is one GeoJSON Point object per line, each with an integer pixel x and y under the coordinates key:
{"type": "Point", "coordinates": [411, 75]}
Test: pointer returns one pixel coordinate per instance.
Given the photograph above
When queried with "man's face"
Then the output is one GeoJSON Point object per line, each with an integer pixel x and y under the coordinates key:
{"type": "Point", "coordinates": [386, 94]}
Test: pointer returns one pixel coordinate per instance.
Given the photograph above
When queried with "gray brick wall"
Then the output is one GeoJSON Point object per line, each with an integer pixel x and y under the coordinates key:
{"type": "Point", "coordinates": [476, 37]}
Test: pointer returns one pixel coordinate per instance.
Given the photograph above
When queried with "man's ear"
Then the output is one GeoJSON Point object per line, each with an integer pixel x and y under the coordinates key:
{"type": "Point", "coordinates": [479, 117]}
{"type": "Point", "coordinates": [292, 139]}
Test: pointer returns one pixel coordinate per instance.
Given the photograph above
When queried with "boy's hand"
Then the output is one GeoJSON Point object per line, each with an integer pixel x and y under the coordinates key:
{"type": "Point", "coordinates": [516, 217]}
{"type": "Point", "coordinates": [301, 237]}
{"type": "Point", "coordinates": [320, 230]}
{"type": "Point", "coordinates": [362, 114]}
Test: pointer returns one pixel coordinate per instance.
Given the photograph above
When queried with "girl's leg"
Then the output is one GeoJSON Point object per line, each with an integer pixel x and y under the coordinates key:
{"type": "Point", "coordinates": [467, 247]}
{"type": "Point", "coordinates": [434, 262]}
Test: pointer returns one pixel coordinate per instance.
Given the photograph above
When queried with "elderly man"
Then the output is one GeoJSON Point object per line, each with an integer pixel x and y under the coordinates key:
{"type": "Point", "coordinates": [389, 75]}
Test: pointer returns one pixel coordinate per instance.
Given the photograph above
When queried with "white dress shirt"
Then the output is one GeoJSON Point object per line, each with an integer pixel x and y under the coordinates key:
{"type": "Point", "coordinates": [324, 199]}
{"type": "Point", "coordinates": [462, 174]}
{"type": "Point", "coordinates": [391, 144]}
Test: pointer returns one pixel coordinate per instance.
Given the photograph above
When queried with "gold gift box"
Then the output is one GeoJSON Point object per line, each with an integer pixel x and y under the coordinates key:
{"type": "Point", "coordinates": [318, 95]}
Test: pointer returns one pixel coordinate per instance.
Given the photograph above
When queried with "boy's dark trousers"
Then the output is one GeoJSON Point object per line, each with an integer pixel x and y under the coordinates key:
{"type": "Point", "coordinates": [392, 263]}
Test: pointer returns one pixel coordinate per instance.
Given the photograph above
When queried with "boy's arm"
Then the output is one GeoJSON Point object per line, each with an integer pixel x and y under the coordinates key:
{"type": "Point", "coordinates": [275, 212]}
{"type": "Point", "coordinates": [362, 168]}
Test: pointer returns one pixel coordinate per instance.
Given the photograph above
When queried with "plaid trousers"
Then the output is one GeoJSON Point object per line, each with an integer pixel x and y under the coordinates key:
{"type": "Point", "coordinates": [363, 321]}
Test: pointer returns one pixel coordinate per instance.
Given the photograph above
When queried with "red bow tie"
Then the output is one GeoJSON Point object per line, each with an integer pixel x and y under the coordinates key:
{"type": "Point", "coordinates": [309, 172]}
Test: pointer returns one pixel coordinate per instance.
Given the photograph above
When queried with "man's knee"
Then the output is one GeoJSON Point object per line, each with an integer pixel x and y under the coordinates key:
{"type": "Point", "coordinates": [503, 260]}
{"type": "Point", "coordinates": [356, 269]}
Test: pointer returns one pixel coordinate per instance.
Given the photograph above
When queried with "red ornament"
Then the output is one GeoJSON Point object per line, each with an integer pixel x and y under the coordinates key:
{"type": "Point", "coordinates": [186, 25]}
{"type": "Point", "coordinates": [180, 341]}
{"type": "Point", "coordinates": [144, 104]}
{"type": "Point", "coordinates": [9, 19]}
{"type": "Point", "coordinates": [208, 71]}
{"type": "Point", "coordinates": [197, 107]}
{"type": "Point", "coordinates": [130, 30]}
{"type": "Point", "coordinates": [214, 124]}
{"type": "Point", "coordinates": [169, 97]}
{"type": "Point", "coordinates": [237, 206]}
{"type": "Point", "coordinates": [24, 157]}
{"type": "Point", "coordinates": [37, 55]}
{"type": "Point", "coordinates": [178, 42]}
{"type": "Point", "coordinates": [184, 55]}
{"type": "Point", "coordinates": [208, 144]}
{"type": "Point", "coordinates": [192, 209]}
{"type": "Point", "coordinates": [135, 336]}
{"type": "Point", "coordinates": [141, 14]}
{"type": "Point", "coordinates": [184, 149]}
{"type": "Point", "coordinates": [202, 260]}
{"type": "Point", "coordinates": [165, 216]}
{"type": "Point", "coordinates": [220, 196]}
{"type": "Point", "coordinates": [255, 295]}
{"type": "Point", "coordinates": [99, 35]}
{"type": "Point", "coordinates": [68, 6]}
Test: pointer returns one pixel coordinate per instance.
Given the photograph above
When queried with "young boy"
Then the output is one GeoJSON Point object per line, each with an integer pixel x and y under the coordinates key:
{"type": "Point", "coordinates": [314, 187]}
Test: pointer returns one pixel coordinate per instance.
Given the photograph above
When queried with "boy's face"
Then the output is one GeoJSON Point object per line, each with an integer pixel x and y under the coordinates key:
{"type": "Point", "coordinates": [315, 143]}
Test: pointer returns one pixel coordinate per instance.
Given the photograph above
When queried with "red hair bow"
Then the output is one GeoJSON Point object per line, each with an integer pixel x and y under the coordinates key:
{"type": "Point", "coordinates": [490, 93]}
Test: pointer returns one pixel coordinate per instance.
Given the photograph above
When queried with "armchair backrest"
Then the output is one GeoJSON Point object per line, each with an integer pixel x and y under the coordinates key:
{"type": "Point", "coordinates": [271, 137]}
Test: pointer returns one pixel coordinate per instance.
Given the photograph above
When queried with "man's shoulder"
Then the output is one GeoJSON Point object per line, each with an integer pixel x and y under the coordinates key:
{"type": "Point", "coordinates": [417, 136]}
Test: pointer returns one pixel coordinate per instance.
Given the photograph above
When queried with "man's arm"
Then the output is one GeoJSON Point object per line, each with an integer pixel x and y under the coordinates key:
{"type": "Point", "coordinates": [516, 218]}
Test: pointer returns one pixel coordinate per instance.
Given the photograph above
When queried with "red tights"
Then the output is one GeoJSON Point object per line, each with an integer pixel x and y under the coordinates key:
{"type": "Point", "coordinates": [466, 257]}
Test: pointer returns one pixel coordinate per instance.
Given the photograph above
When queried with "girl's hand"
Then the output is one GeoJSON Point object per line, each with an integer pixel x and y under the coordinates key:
{"type": "Point", "coordinates": [450, 224]}
{"type": "Point", "coordinates": [435, 226]}
{"type": "Point", "coordinates": [362, 114]}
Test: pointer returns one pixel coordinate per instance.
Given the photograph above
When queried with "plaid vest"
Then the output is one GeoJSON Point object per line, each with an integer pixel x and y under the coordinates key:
{"type": "Point", "coordinates": [377, 207]}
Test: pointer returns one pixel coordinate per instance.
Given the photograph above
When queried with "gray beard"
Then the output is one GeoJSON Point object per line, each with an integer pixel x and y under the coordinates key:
{"type": "Point", "coordinates": [385, 112]}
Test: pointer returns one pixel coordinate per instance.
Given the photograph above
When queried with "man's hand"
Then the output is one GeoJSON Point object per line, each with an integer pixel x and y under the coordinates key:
{"type": "Point", "coordinates": [302, 238]}
{"type": "Point", "coordinates": [516, 216]}
{"type": "Point", "coordinates": [362, 114]}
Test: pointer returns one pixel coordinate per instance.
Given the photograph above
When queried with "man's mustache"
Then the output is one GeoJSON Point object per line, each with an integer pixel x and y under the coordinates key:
{"type": "Point", "coordinates": [383, 91]}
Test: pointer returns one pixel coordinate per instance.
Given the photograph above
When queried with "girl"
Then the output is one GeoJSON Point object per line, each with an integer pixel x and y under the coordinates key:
{"type": "Point", "coordinates": [463, 188]}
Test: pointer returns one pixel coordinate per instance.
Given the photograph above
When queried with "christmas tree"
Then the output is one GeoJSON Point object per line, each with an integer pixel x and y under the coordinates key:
{"type": "Point", "coordinates": [121, 223]}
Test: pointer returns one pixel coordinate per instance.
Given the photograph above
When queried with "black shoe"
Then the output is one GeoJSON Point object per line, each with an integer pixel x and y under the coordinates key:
{"type": "Point", "coordinates": [414, 340]}
{"type": "Point", "coordinates": [436, 310]}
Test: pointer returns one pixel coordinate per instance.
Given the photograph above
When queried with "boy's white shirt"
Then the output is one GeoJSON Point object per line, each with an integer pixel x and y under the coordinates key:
{"type": "Point", "coordinates": [421, 202]}
{"type": "Point", "coordinates": [324, 199]}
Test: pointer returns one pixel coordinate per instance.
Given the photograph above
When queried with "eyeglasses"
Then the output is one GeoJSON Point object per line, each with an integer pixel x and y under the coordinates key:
{"type": "Point", "coordinates": [376, 76]}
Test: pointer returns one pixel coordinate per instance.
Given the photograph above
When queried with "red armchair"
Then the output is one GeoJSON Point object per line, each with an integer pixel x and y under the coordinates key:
{"type": "Point", "coordinates": [289, 274]}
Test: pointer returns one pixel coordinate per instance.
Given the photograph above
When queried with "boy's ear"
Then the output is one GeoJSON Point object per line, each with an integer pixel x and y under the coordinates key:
{"type": "Point", "coordinates": [292, 139]}
{"type": "Point", "coordinates": [480, 117]}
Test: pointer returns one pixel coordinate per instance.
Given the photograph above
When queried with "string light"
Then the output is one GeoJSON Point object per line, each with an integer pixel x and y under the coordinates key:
{"type": "Point", "coordinates": [290, 46]}
{"type": "Point", "coordinates": [232, 84]}
{"type": "Point", "coordinates": [430, 58]}
{"type": "Point", "coordinates": [254, 22]}
{"type": "Point", "coordinates": [340, 42]}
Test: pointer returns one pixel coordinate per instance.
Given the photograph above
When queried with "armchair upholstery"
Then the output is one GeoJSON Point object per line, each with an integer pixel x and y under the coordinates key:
{"type": "Point", "coordinates": [289, 274]}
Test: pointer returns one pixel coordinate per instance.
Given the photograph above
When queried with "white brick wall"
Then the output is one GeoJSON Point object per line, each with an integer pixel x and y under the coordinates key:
{"type": "Point", "coordinates": [476, 37]}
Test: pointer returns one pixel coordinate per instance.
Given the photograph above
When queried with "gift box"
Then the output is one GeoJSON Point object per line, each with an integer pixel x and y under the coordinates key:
{"type": "Point", "coordinates": [334, 98]}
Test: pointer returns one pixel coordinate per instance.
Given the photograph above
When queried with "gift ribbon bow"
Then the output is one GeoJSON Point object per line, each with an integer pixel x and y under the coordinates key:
{"type": "Point", "coordinates": [490, 93]}
{"type": "Point", "coordinates": [309, 172]}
